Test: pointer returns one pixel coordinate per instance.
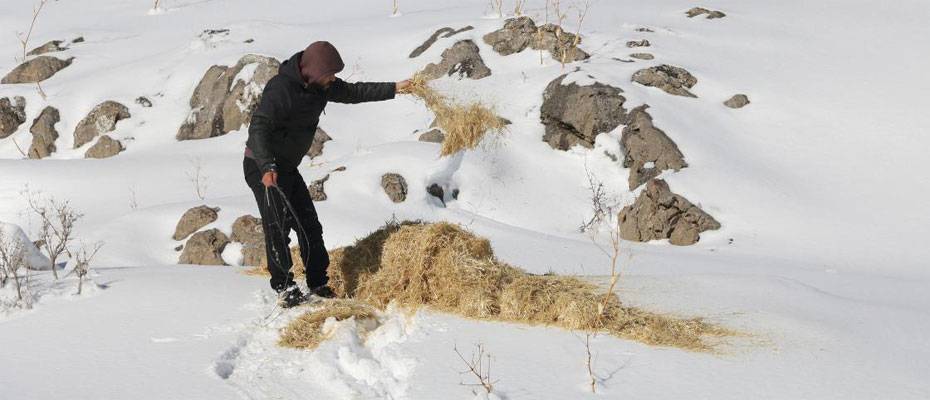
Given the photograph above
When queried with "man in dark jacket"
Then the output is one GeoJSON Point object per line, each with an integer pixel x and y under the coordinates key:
{"type": "Point", "coordinates": [280, 134]}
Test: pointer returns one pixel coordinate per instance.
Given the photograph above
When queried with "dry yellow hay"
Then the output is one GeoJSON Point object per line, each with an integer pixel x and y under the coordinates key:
{"type": "Point", "coordinates": [306, 331]}
{"type": "Point", "coordinates": [465, 125]}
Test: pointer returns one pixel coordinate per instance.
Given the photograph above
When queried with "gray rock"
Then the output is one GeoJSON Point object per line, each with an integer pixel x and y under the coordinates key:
{"type": "Point", "coordinates": [253, 255]}
{"type": "Point", "coordinates": [317, 191]}
{"type": "Point", "coordinates": [694, 12]}
{"type": "Point", "coordinates": [660, 214]}
{"type": "Point", "coordinates": [442, 32]}
{"type": "Point", "coordinates": [12, 115]}
{"type": "Point", "coordinates": [194, 219]}
{"type": "Point", "coordinates": [638, 43]}
{"type": "Point", "coordinates": [671, 79]}
{"type": "Point", "coordinates": [248, 231]}
{"type": "Point", "coordinates": [432, 136]}
{"type": "Point", "coordinates": [36, 70]}
{"type": "Point", "coordinates": [221, 103]}
{"type": "Point", "coordinates": [737, 101]}
{"type": "Point", "coordinates": [575, 115]}
{"type": "Point", "coordinates": [49, 47]}
{"type": "Point", "coordinates": [105, 147]}
{"type": "Point", "coordinates": [437, 191]}
{"type": "Point", "coordinates": [520, 33]}
{"type": "Point", "coordinates": [647, 150]}
{"type": "Point", "coordinates": [44, 133]}
{"type": "Point", "coordinates": [143, 101]}
{"type": "Point", "coordinates": [642, 56]}
{"type": "Point", "coordinates": [100, 120]}
{"type": "Point", "coordinates": [462, 59]}
{"type": "Point", "coordinates": [644, 29]}
{"type": "Point", "coordinates": [205, 248]}
{"type": "Point", "coordinates": [319, 139]}
{"type": "Point", "coordinates": [395, 186]}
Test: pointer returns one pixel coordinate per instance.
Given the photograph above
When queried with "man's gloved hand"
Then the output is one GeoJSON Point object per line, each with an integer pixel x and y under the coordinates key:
{"type": "Point", "coordinates": [270, 178]}
{"type": "Point", "coordinates": [403, 86]}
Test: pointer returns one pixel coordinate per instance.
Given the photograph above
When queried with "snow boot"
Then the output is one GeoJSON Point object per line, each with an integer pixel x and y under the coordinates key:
{"type": "Point", "coordinates": [323, 292]}
{"type": "Point", "coordinates": [291, 297]}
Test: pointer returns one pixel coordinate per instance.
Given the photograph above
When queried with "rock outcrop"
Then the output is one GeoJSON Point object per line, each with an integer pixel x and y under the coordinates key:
{"type": "Point", "coordinates": [647, 150]}
{"type": "Point", "coordinates": [737, 101]}
{"type": "Point", "coordinates": [660, 214]}
{"type": "Point", "coordinates": [432, 136]}
{"type": "Point", "coordinates": [105, 147]}
{"type": "Point", "coordinates": [36, 70]}
{"type": "Point", "coordinates": [12, 115]}
{"type": "Point", "coordinates": [638, 43]}
{"type": "Point", "coordinates": [194, 219]}
{"type": "Point", "coordinates": [442, 32]}
{"type": "Point", "coordinates": [205, 248]}
{"type": "Point", "coordinates": [520, 33]}
{"type": "Point", "coordinates": [226, 97]}
{"type": "Point", "coordinates": [319, 139]}
{"type": "Point", "coordinates": [711, 14]}
{"type": "Point", "coordinates": [575, 115]}
{"type": "Point", "coordinates": [395, 186]}
{"type": "Point", "coordinates": [671, 79]}
{"type": "Point", "coordinates": [317, 189]}
{"type": "Point", "coordinates": [463, 59]}
{"type": "Point", "coordinates": [100, 120]}
{"type": "Point", "coordinates": [48, 47]}
{"type": "Point", "coordinates": [44, 133]}
{"type": "Point", "coordinates": [642, 56]}
{"type": "Point", "coordinates": [248, 231]}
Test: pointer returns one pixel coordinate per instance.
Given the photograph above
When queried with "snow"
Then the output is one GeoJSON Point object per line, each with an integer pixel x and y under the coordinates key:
{"type": "Point", "coordinates": [817, 262]}
{"type": "Point", "coordinates": [15, 236]}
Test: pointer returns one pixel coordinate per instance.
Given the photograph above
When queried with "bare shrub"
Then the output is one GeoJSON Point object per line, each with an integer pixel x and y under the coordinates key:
{"type": "Point", "coordinates": [12, 260]}
{"type": "Point", "coordinates": [479, 366]}
{"type": "Point", "coordinates": [24, 40]}
{"type": "Point", "coordinates": [56, 226]}
{"type": "Point", "coordinates": [197, 178]}
{"type": "Point", "coordinates": [82, 265]}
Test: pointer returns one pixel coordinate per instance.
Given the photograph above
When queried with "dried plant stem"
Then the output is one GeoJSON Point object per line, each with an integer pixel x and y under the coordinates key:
{"type": "Point", "coordinates": [24, 40]}
{"type": "Point", "coordinates": [479, 366]}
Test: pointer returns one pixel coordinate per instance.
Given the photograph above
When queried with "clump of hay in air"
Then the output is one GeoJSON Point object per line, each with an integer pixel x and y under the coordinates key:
{"type": "Point", "coordinates": [309, 330]}
{"type": "Point", "coordinates": [465, 125]}
{"type": "Point", "coordinates": [445, 268]}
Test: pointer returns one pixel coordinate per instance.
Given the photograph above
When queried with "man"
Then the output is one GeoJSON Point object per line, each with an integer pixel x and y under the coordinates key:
{"type": "Point", "coordinates": [280, 134]}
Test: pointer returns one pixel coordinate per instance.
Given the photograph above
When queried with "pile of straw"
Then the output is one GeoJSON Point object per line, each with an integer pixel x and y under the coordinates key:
{"type": "Point", "coordinates": [307, 331]}
{"type": "Point", "coordinates": [465, 125]}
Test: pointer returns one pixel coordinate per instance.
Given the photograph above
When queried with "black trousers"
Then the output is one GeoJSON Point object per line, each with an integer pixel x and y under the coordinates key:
{"type": "Point", "coordinates": [278, 221]}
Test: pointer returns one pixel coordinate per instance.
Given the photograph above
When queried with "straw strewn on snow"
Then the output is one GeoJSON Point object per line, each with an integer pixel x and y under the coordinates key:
{"type": "Point", "coordinates": [307, 331]}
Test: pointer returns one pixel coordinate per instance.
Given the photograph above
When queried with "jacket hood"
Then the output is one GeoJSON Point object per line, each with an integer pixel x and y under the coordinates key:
{"type": "Point", "coordinates": [291, 68]}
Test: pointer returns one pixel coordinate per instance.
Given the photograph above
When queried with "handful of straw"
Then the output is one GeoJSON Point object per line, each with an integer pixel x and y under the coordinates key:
{"type": "Point", "coordinates": [464, 125]}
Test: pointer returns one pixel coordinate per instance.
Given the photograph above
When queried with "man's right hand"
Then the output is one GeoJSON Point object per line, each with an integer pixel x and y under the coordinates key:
{"type": "Point", "coordinates": [270, 179]}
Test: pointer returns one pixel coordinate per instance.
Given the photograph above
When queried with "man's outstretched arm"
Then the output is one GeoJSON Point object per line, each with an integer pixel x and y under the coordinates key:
{"type": "Point", "coordinates": [341, 91]}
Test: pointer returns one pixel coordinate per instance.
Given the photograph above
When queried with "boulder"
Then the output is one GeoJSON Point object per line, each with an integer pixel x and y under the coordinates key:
{"type": "Point", "coordinates": [36, 70]}
{"type": "Point", "coordinates": [520, 33]}
{"type": "Point", "coordinates": [105, 147]}
{"type": "Point", "coordinates": [205, 248]}
{"type": "Point", "coordinates": [395, 186]}
{"type": "Point", "coordinates": [248, 231]}
{"type": "Point", "coordinates": [49, 47]}
{"type": "Point", "coordinates": [44, 133]}
{"type": "Point", "coordinates": [642, 56]}
{"type": "Point", "coordinates": [100, 120]}
{"type": "Point", "coordinates": [462, 59]}
{"type": "Point", "coordinates": [437, 191]}
{"type": "Point", "coordinates": [194, 219]}
{"type": "Point", "coordinates": [694, 12]}
{"type": "Point", "coordinates": [319, 139]}
{"type": "Point", "coordinates": [143, 101]}
{"type": "Point", "coordinates": [317, 191]}
{"type": "Point", "coordinates": [638, 43]}
{"type": "Point", "coordinates": [34, 259]}
{"type": "Point", "coordinates": [442, 32]}
{"type": "Point", "coordinates": [12, 115]}
{"type": "Point", "coordinates": [671, 79]}
{"type": "Point", "coordinates": [660, 214]}
{"type": "Point", "coordinates": [225, 98]}
{"type": "Point", "coordinates": [575, 115]}
{"type": "Point", "coordinates": [432, 136]}
{"type": "Point", "coordinates": [737, 101]}
{"type": "Point", "coordinates": [647, 150]}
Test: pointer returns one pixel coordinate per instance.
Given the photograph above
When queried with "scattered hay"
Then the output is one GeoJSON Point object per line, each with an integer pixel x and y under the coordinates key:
{"type": "Point", "coordinates": [465, 125]}
{"type": "Point", "coordinates": [308, 330]}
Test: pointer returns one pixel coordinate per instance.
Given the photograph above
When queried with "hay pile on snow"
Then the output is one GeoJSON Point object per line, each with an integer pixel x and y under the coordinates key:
{"type": "Point", "coordinates": [310, 329]}
{"type": "Point", "coordinates": [443, 267]}
{"type": "Point", "coordinates": [465, 125]}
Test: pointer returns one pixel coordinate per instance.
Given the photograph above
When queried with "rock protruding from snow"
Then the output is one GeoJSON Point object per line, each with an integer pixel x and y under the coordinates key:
{"type": "Point", "coordinates": [194, 219]}
{"type": "Point", "coordinates": [711, 14]}
{"type": "Point", "coordinates": [317, 189]}
{"type": "Point", "coordinates": [105, 147]}
{"type": "Point", "coordinates": [319, 139]}
{"type": "Point", "coordinates": [671, 79]}
{"type": "Point", "coordinates": [143, 101]}
{"type": "Point", "coordinates": [642, 56]}
{"type": "Point", "coordinates": [226, 97]}
{"type": "Point", "coordinates": [35, 260]}
{"type": "Point", "coordinates": [248, 231]}
{"type": "Point", "coordinates": [100, 120]}
{"type": "Point", "coordinates": [205, 248]}
{"type": "Point", "coordinates": [36, 70]}
{"type": "Point", "coordinates": [462, 59]}
{"type": "Point", "coordinates": [395, 186]}
{"type": "Point", "coordinates": [638, 43]}
{"type": "Point", "coordinates": [432, 136]}
{"type": "Point", "coordinates": [44, 133]}
{"type": "Point", "coordinates": [737, 101]}
{"type": "Point", "coordinates": [442, 32]}
{"type": "Point", "coordinates": [647, 150]}
{"type": "Point", "coordinates": [575, 115]}
{"type": "Point", "coordinates": [49, 47]}
{"type": "Point", "coordinates": [438, 192]}
{"type": "Point", "coordinates": [12, 115]}
{"type": "Point", "coordinates": [660, 214]}
{"type": "Point", "coordinates": [520, 33]}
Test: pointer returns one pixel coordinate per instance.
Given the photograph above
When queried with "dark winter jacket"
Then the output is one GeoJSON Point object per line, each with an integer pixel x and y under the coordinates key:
{"type": "Point", "coordinates": [286, 119]}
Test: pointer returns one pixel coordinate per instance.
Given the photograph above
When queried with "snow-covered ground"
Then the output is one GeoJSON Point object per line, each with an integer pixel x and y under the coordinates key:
{"type": "Point", "coordinates": [819, 185]}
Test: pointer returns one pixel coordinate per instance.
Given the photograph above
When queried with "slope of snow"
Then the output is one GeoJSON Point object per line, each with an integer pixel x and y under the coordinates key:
{"type": "Point", "coordinates": [820, 257]}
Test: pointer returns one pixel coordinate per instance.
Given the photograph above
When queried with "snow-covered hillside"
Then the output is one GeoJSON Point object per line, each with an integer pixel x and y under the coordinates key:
{"type": "Point", "coordinates": [818, 185]}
